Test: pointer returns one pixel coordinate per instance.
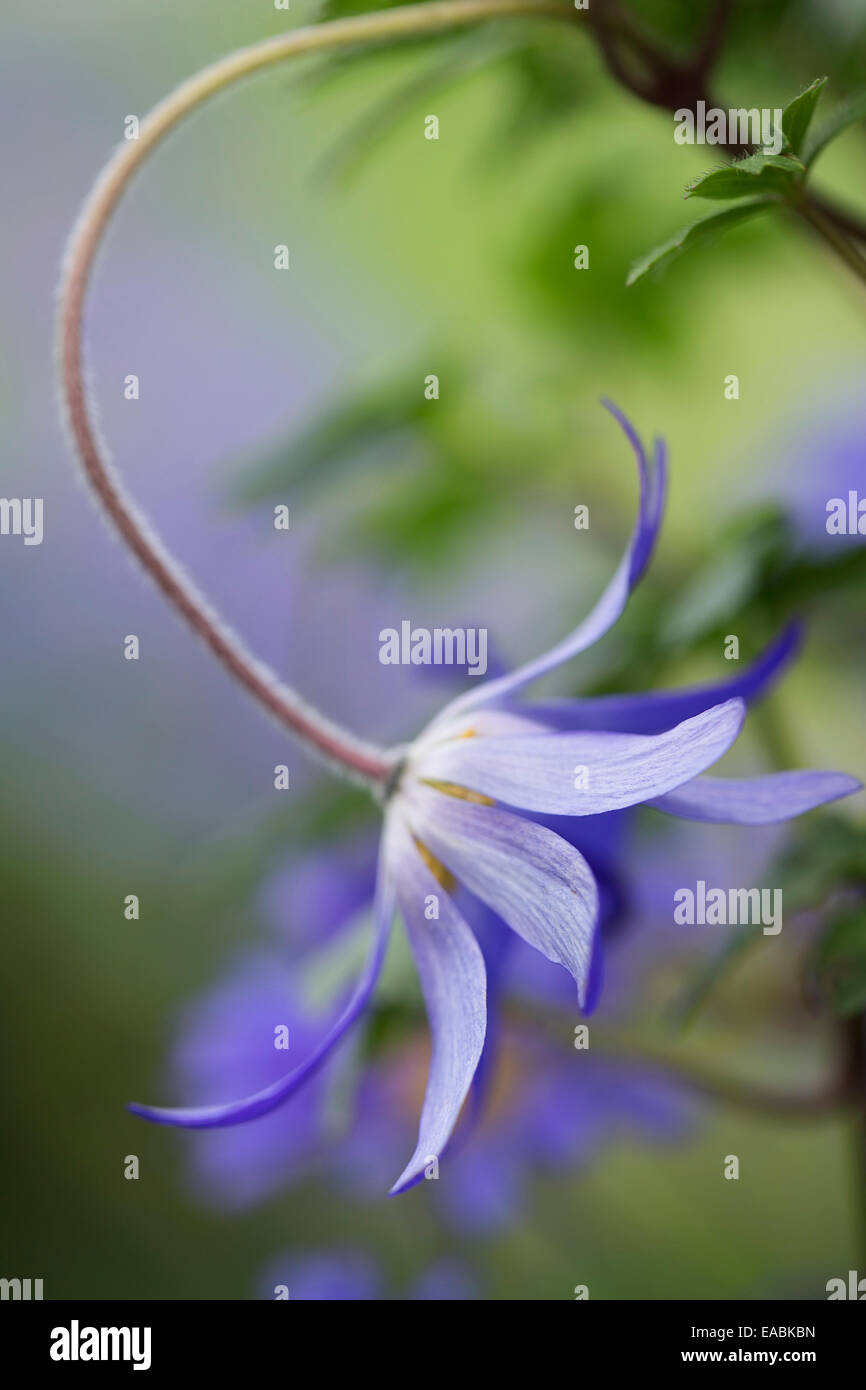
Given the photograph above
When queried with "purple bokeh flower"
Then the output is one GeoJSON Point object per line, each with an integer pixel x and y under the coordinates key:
{"type": "Point", "coordinates": [340, 1276]}
{"type": "Point", "coordinates": [819, 456]}
{"type": "Point", "coordinates": [227, 1040]}
{"type": "Point", "coordinates": [546, 1108]}
{"type": "Point", "coordinates": [310, 898]}
{"type": "Point", "coordinates": [466, 804]}
{"type": "Point", "coordinates": [350, 1276]}
{"type": "Point", "coordinates": [233, 1037]}
{"type": "Point", "coordinates": [540, 1105]}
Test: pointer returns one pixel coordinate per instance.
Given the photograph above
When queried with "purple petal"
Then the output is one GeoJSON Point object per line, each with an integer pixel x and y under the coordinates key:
{"type": "Point", "coordinates": [596, 976]}
{"type": "Point", "coordinates": [496, 943]}
{"type": "Point", "coordinates": [544, 772]}
{"type": "Point", "coordinates": [656, 477]}
{"type": "Point", "coordinates": [756, 800]}
{"type": "Point", "coordinates": [451, 970]}
{"type": "Point", "coordinates": [654, 711]}
{"type": "Point", "coordinates": [612, 602]}
{"type": "Point", "coordinates": [540, 885]}
{"type": "Point", "coordinates": [262, 1102]}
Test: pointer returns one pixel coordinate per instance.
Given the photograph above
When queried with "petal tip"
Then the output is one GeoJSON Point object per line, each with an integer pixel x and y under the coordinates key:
{"type": "Point", "coordinates": [147, 1112]}
{"type": "Point", "coordinates": [737, 709]}
{"type": "Point", "coordinates": [410, 1177]}
{"type": "Point", "coordinates": [848, 786]}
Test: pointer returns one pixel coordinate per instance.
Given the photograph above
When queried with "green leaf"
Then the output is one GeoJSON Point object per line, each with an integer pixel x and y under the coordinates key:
{"type": "Point", "coordinates": [380, 418]}
{"type": "Point", "coordinates": [839, 963]}
{"type": "Point", "coordinates": [848, 114]}
{"type": "Point", "coordinates": [697, 233]}
{"type": "Point", "coordinates": [797, 115]}
{"type": "Point", "coordinates": [344, 9]}
{"type": "Point", "coordinates": [729, 580]}
{"type": "Point", "coordinates": [452, 62]}
{"type": "Point", "coordinates": [760, 173]}
{"type": "Point", "coordinates": [416, 523]}
{"type": "Point", "coordinates": [825, 854]}
{"type": "Point", "coordinates": [697, 991]}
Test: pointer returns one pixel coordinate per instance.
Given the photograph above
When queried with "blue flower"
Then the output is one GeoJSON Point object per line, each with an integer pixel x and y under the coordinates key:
{"type": "Point", "coordinates": [227, 1041]}
{"type": "Point", "coordinates": [469, 801]}
{"type": "Point", "coordinates": [537, 1105]}
{"type": "Point", "coordinates": [541, 1108]}
{"type": "Point", "coordinates": [350, 1276]}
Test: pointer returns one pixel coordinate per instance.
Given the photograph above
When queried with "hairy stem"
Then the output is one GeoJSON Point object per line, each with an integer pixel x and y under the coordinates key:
{"type": "Point", "coordinates": [358, 760]}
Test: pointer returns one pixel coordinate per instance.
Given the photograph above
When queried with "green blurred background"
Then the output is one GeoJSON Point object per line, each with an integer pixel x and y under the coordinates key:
{"type": "Point", "coordinates": [408, 257]}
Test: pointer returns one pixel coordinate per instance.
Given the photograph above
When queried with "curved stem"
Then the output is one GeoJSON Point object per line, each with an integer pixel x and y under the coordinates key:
{"type": "Point", "coordinates": [837, 1092]}
{"type": "Point", "coordinates": [669, 84]}
{"type": "Point", "coordinates": [341, 749]}
{"type": "Point", "coordinates": [842, 218]}
{"type": "Point", "coordinates": [828, 1099]}
{"type": "Point", "coordinates": [832, 236]}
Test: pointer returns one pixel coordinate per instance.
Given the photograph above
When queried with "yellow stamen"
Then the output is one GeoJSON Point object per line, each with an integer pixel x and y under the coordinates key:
{"type": "Point", "coordinates": [463, 793]}
{"type": "Point", "coordinates": [437, 869]}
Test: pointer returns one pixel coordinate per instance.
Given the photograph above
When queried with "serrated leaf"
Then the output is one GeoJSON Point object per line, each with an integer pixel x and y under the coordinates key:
{"type": "Point", "coordinates": [848, 114]}
{"type": "Point", "coordinates": [797, 115]}
{"type": "Point", "coordinates": [697, 233]}
{"type": "Point", "coordinates": [760, 173]}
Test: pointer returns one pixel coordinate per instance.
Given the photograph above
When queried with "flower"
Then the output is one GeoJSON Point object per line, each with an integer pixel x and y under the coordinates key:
{"type": "Point", "coordinates": [227, 1040]}
{"type": "Point", "coordinates": [536, 1104]}
{"type": "Point", "coordinates": [333, 1276]}
{"type": "Point", "coordinates": [543, 1107]}
{"type": "Point", "coordinates": [350, 1276]}
{"type": "Point", "coordinates": [465, 804]}
{"type": "Point", "coordinates": [831, 429]}
{"type": "Point", "coordinates": [539, 1105]}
